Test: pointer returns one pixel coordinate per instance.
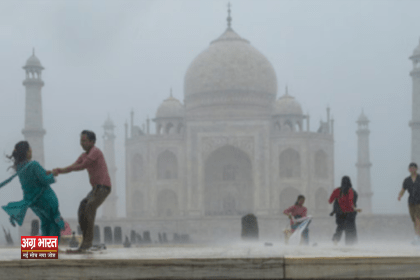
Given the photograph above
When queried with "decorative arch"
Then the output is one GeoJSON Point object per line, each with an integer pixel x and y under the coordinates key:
{"type": "Point", "coordinates": [288, 197]}
{"type": "Point", "coordinates": [321, 201]}
{"type": "Point", "coordinates": [228, 182]}
{"type": "Point", "coordinates": [169, 128]}
{"type": "Point", "coordinates": [167, 203]}
{"type": "Point", "coordinates": [320, 165]}
{"type": "Point", "coordinates": [159, 129]}
{"type": "Point", "coordinates": [167, 166]}
{"type": "Point", "coordinates": [136, 167]}
{"type": "Point", "coordinates": [298, 126]}
{"type": "Point", "coordinates": [288, 125]}
{"type": "Point", "coordinates": [289, 164]}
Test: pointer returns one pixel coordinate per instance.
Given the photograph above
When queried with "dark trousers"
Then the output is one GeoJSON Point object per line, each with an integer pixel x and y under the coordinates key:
{"type": "Point", "coordinates": [87, 212]}
{"type": "Point", "coordinates": [346, 222]}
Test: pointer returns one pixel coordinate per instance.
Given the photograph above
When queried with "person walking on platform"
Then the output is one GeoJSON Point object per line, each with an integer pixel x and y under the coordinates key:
{"type": "Point", "coordinates": [345, 199]}
{"type": "Point", "coordinates": [93, 160]}
{"type": "Point", "coordinates": [412, 185]}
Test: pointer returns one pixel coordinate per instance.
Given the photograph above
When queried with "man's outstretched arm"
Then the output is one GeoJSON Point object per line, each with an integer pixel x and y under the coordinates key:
{"type": "Point", "coordinates": [77, 166]}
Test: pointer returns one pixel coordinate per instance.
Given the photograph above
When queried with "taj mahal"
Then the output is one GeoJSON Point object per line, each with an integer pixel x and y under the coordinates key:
{"type": "Point", "coordinates": [236, 144]}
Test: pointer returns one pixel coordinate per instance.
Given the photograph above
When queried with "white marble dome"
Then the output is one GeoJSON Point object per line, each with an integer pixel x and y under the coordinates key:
{"type": "Point", "coordinates": [170, 108]}
{"type": "Point", "coordinates": [230, 65]}
{"type": "Point", "coordinates": [287, 105]}
{"type": "Point", "coordinates": [33, 61]}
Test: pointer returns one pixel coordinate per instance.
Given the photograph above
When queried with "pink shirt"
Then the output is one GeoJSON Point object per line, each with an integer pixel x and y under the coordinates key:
{"type": "Point", "coordinates": [296, 210]}
{"type": "Point", "coordinates": [96, 167]}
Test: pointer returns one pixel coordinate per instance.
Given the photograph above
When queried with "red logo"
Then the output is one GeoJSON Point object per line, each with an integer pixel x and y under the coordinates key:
{"type": "Point", "coordinates": [39, 247]}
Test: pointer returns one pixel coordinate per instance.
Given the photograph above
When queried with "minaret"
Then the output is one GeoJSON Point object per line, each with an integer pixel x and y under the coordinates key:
{"type": "Point", "coordinates": [33, 130]}
{"type": "Point", "coordinates": [110, 205]}
{"type": "Point", "coordinates": [415, 120]}
{"type": "Point", "coordinates": [363, 166]}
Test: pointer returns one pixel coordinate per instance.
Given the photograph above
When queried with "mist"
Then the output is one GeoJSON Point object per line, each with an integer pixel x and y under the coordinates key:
{"type": "Point", "coordinates": [110, 57]}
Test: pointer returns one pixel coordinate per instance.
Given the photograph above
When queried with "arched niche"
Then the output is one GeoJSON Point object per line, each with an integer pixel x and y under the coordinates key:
{"type": "Point", "coordinates": [289, 164]}
{"type": "Point", "coordinates": [228, 182]}
{"type": "Point", "coordinates": [169, 128]}
{"type": "Point", "coordinates": [167, 166]}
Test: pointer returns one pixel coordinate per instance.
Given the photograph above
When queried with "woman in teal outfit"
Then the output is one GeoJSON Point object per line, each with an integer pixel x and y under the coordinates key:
{"type": "Point", "coordinates": [37, 193]}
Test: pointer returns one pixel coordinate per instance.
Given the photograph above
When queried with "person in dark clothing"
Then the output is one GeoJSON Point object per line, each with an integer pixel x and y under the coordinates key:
{"type": "Point", "coordinates": [411, 184]}
{"type": "Point", "coordinates": [345, 203]}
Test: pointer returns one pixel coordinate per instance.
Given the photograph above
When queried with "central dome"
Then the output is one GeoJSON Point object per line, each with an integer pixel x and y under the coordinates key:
{"type": "Point", "coordinates": [230, 72]}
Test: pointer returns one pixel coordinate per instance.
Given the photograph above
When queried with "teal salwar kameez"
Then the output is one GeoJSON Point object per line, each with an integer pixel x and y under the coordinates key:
{"type": "Point", "coordinates": [37, 195]}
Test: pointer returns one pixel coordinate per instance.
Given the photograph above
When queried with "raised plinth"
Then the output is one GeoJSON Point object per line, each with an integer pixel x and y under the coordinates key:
{"type": "Point", "coordinates": [255, 261]}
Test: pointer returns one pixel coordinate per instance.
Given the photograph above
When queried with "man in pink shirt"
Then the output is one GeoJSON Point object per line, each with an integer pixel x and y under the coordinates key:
{"type": "Point", "coordinates": [93, 160]}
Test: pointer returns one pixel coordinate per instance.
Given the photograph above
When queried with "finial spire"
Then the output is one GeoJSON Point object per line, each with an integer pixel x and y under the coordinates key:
{"type": "Point", "coordinates": [170, 92]}
{"type": "Point", "coordinates": [229, 19]}
{"type": "Point", "coordinates": [287, 90]}
{"type": "Point", "coordinates": [33, 51]}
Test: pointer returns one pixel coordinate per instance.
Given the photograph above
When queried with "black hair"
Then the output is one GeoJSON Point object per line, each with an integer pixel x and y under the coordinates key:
{"type": "Point", "coordinates": [345, 185]}
{"type": "Point", "coordinates": [413, 164]}
{"type": "Point", "coordinates": [298, 198]}
{"type": "Point", "coordinates": [90, 135]}
{"type": "Point", "coordinates": [19, 154]}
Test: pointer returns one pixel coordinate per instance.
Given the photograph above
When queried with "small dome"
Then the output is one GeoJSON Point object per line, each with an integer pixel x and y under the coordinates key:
{"type": "Point", "coordinates": [109, 123]}
{"type": "Point", "coordinates": [362, 118]}
{"type": "Point", "coordinates": [287, 105]}
{"type": "Point", "coordinates": [33, 61]}
{"type": "Point", "coordinates": [170, 108]}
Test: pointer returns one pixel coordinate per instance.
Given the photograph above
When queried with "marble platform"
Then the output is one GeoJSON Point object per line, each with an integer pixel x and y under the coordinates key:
{"type": "Point", "coordinates": [223, 261]}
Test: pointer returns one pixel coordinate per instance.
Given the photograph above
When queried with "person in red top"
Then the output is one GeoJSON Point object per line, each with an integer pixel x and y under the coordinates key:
{"type": "Point", "coordinates": [295, 212]}
{"type": "Point", "coordinates": [345, 211]}
{"type": "Point", "coordinates": [93, 160]}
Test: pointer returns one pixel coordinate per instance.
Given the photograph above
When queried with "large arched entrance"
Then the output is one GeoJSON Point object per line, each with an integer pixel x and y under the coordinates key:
{"type": "Point", "coordinates": [228, 182]}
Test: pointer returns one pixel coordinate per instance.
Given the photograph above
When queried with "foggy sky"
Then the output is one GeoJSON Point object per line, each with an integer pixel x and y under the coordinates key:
{"type": "Point", "coordinates": [108, 57]}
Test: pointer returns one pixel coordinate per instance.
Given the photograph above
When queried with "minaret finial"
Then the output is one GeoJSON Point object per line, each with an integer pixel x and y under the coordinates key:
{"type": "Point", "coordinates": [229, 18]}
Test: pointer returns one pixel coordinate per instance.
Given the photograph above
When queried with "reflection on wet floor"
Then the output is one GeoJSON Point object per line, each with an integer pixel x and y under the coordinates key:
{"type": "Point", "coordinates": [239, 250]}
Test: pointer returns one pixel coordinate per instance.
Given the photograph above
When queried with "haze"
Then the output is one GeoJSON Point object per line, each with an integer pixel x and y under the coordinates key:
{"type": "Point", "coordinates": [108, 57]}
